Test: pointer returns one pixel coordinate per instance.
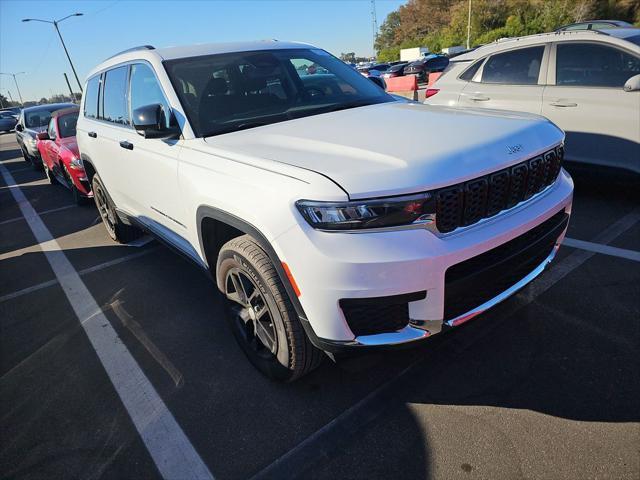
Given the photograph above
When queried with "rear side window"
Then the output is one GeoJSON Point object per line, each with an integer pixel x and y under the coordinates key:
{"type": "Point", "coordinates": [591, 65]}
{"type": "Point", "coordinates": [115, 108]}
{"type": "Point", "coordinates": [470, 72]}
{"type": "Point", "coordinates": [517, 67]}
{"type": "Point", "coordinates": [91, 98]}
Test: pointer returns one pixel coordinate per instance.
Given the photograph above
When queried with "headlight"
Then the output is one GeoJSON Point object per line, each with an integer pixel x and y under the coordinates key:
{"type": "Point", "coordinates": [417, 209]}
{"type": "Point", "coordinates": [76, 163]}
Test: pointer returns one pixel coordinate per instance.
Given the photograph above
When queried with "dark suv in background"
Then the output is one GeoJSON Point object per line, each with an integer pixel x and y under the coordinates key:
{"type": "Point", "coordinates": [32, 121]}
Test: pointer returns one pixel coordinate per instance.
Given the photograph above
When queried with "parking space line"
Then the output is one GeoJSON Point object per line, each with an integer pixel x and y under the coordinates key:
{"type": "Point", "coordinates": [44, 212]}
{"type": "Point", "coordinates": [169, 447]}
{"type": "Point", "coordinates": [319, 444]}
{"type": "Point", "coordinates": [604, 249]}
{"type": "Point", "coordinates": [84, 271]}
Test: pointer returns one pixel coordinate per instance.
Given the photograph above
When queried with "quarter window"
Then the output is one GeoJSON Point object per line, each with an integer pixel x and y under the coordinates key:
{"type": "Point", "coordinates": [91, 98]}
{"type": "Point", "coordinates": [145, 90]}
{"type": "Point", "coordinates": [591, 65]}
{"type": "Point", "coordinates": [115, 107]}
{"type": "Point", "coordinates": [470, 72]}
{"type": "Point", "coordinates": [517, 67]}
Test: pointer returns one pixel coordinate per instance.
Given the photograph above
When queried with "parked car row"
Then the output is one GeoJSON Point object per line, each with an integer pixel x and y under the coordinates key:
{"type": "Point", "coordinates": [8, 119]}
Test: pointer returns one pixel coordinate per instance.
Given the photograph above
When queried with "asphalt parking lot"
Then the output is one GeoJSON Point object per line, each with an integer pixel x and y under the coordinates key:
{"type": "Point", "coordinates": [544, 386]}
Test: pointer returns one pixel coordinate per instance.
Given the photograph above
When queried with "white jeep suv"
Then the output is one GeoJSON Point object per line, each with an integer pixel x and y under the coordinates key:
{"type": "Point", "coordinates": [325, 231]}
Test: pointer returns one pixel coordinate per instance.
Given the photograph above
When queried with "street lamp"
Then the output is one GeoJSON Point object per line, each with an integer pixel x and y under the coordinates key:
{"type": "Point", "coordinates": [55, 24]}
{"type": "Point", "coordinates": [16, 82]}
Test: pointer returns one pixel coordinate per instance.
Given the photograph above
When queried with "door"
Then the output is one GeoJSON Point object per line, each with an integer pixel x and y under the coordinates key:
{"type": "Point", "coordinates": [587, 100]}
{"type": "Point", "coordinates": [152, 172]}
{"type": "Point", "coordinates": [511, 80]}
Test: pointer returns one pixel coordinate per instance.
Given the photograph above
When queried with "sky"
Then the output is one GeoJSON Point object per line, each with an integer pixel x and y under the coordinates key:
{"type": "Point", "coordinates": [108, 27]}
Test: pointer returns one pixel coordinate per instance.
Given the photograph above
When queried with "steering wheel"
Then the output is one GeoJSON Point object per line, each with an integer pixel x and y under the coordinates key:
{"type": "Point", "coordinates": [314, 91]}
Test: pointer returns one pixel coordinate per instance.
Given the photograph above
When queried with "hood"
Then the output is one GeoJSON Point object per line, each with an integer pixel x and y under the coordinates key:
{"type": "Point", "coordinates": [395, 148]}
{"type": "Point", "coordinates": [70, 144]}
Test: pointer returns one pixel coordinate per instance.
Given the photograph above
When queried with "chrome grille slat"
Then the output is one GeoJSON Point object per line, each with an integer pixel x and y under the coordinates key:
{"type": "Point", "coordinates": [466, 203]}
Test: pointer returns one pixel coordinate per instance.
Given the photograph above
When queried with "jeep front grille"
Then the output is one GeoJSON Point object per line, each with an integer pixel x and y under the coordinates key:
{"type": "Point", "coordinates": [466, 203]}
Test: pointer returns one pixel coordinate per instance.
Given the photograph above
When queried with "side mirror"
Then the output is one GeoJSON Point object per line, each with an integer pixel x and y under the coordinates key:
{"type": "Point", "coordinates": [633, 84]}
{"type": "Point", "coordinates": [19, 128]}
{"type": "Point", "coordinates": [150, 122]}
{"type": "Point", "coordinates": [378, 81]}
{"type": "Point", "coordinates": [42, 136]}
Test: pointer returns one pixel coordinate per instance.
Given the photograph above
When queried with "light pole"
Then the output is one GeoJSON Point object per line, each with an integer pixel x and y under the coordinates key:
{"type": "Point", "coordinates": [16, 82]}
{"type": "Point", "coordinates": [469, 27]}
{"type": "Point", "coordinates": [55, 24]}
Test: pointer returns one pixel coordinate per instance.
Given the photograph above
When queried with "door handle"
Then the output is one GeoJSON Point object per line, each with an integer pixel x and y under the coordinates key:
{"type": "Point", "coordinates": [479, 98]}
{"type": "Point", "coordinates": [127, 145]}
{"type": "Point", "coordinates": [560, 103]}
{"type": "Point", "coordinates": [92, 134]}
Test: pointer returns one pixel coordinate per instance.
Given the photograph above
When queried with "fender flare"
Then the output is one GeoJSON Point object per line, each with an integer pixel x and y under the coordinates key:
{"type": "Point", "coordinates": [205, 211]}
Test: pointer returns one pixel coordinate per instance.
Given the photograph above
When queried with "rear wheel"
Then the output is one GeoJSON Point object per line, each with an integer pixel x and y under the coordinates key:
{"type": "Point", "coordinates": [117, 230]}
{"type": "Point", "coordinates": [261, 315]}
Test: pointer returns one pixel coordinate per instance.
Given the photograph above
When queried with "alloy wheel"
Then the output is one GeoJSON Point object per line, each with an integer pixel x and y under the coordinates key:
{"type": "Point", "coordinates": [251, 313]}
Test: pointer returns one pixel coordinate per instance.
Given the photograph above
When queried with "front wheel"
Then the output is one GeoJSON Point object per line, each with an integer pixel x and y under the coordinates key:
{"type": "Point", "coordinates": [261, 315]}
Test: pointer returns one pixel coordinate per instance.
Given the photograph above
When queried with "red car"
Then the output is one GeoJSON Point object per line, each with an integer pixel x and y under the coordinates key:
{"type": "Point", "coordinates": [60, 155]}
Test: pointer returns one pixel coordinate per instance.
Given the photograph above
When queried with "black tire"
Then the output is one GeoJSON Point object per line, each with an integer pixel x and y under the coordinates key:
{"type": "Point", "coordinates": [78, 198]}
{"type": "Point", "coordinates": [50, 176]}
{"type": "Point", "coordinates": [36, 163]}
{"type": "Point", "coordinates": [117, 230]}
{"type": "Point", "coordinates": [291, 355]}
{"type": "Point", "coordinates": [26, 156]}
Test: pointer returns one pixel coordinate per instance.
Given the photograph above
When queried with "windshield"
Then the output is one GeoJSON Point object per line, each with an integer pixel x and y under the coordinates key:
{"type": "Point", "coordinates": [67, 125]}
{"type": "Point", "coordinates": [228, 92]}
{"type": "Point", "coordinates": [39, 117]}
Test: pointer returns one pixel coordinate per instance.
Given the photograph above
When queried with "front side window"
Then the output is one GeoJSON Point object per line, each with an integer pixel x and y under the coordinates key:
{"type": "Point", "coordinates": [67, 125]}
{"type": "Point", "coordinates": [91, 98]}
{"type": "Point", "coordinates": [114, 107]}
{"type": "Point", "coordinates": [145, 90]}
{"type": "Point", "coordinates": [234, 91]}
{"type": "Point", "coordinates": [592, 65]}
{"type": "Point", "coordinates": [517, 67]}
{"type": "Point", "coordinates": [51, 131]}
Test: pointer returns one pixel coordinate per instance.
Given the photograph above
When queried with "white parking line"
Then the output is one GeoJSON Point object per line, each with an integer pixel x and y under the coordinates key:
{"type": "Point", "coordinates": [318, 445]}
{"type": "Point", "coordinates": [44, 212]}
{"type": "Point", "coordinates": [170, 449]}
{"type": "Point", "coordinates": [84, 271]}
{"type": "Point", "coordinates": [604, 249]}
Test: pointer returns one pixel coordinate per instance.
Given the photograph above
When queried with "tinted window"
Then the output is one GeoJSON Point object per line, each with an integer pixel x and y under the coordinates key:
{"type": "Point", "coordinates": [470, 72]}
{"type": "Point", "coordinates": [145, 89]}
{"type": "Point", "coordinates": [591, 65]}
{"type": "Point", "coordinates": [39, 117]}
{"type": "Point", "coordinates": [517, 67]}
{"type": "Point", "coordinates": [115, 107]}
{"type": "Point", "coordinates": [227, 92]}
{"type": "Point", "coordinates": [52, 129]}
{"type": "Point", "coordinates": [91, 98]}
{"type": "Point", "coordinates": [67, 125]}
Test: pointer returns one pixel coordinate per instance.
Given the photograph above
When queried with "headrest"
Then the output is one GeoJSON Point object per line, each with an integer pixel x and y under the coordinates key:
{"type": "Point", "coordinates": [216, 86]}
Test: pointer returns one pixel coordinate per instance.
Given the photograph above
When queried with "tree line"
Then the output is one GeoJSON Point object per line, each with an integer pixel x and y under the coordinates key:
{"type": "Point", "coordinates": [437, 24]}
{"type": "Point", "coordinates": [56, 98]}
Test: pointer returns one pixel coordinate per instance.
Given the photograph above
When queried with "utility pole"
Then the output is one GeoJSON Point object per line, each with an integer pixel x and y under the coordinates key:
{"type": "Point", "coordinates": [374, 24]}
{"type": "Point", "coordinates": [16, 82]}
{"type": "Point", "coordinates": [10, 97]}
{"type": "Point", "coordinates": [66, 79]}
{"type": "Point", "coordinates": [469, 28]}
{"type": "Point", "coordinates": [55, 25]}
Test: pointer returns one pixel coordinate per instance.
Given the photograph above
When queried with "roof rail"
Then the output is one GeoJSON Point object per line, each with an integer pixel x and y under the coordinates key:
{"type": "Point", "coordinates": [133, 49]}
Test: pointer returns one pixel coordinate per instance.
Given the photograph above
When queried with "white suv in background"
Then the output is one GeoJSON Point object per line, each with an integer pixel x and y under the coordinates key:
{"type": "Point", "coordinates": [586, 82]}
{"type": "Point", "coordinates": [326, 231]}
